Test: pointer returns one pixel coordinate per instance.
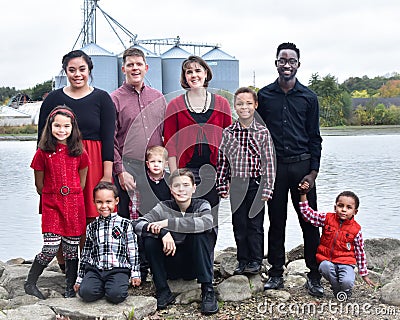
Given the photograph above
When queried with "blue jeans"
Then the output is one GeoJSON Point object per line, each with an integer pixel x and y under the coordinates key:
{"type": "Point", "coordinates": [340, 276]}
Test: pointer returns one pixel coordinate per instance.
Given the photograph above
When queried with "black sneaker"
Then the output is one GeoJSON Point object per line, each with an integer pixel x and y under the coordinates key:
{"type": "Point", "coordinates": [314, 287]}
{"type": "Point", "coordinates": [209, 303]}
{"type": "Point", "coordinates": [274, 283]}
{"type": "Point", "coordinates": [240, 268]}
{"type": "Point", "coordinates": [164, 299]}
{"type": "Point", "coordinates": [252, 268]}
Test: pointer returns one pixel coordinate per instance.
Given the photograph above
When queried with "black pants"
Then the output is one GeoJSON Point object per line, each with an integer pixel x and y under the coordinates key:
{"type": "Point", "coordinates": [192, 260]}
{"type": "Point", "coordinates": [287, 178]}
{"type": "Point", "coordinates": [248, 219]}
{"type": "Point", "coordinates": [111, 284]}
{"type": "Point", "coordinates": [137, 169]}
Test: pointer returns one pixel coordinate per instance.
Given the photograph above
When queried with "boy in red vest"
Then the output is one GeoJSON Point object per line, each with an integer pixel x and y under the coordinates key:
{"type": "Point", "coordinates": [341, 246]}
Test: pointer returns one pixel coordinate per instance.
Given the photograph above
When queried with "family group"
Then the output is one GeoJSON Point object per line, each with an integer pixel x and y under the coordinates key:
{"type": "Point", "coordinates": [130, 184]}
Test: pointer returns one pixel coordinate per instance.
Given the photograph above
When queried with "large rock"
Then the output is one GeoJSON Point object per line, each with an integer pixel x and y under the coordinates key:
{"type": "Point", "coordinates": [297, 267]}
{"type": "Point", "coordinates": [236, 288]}
{"type": "Point", "coordinates": [296, 253]}
{"type": "Point", "coordinates": [392, 270]}
{"type": "Point", "coordinates": [74, 308]}
{"type": "Point", "coordinates": [14, 276]}
{"type": "Point", "coordinates": [178, 286]}
{"type": "Point", "coordinates": [228, 265]}
{"type": "Point", "coordinates": [256, 283]}
{"type": "Point", "coordinates": [380, 251]}
{"type": "Point", "coordinates": [390, 293]}
{"type": "Point", "coordinates": [37, 312]}
{"type": "Point", "coordinates": [188, 297]}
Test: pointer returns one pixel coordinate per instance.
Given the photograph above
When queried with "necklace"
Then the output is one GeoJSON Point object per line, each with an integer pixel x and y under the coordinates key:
{"type": "Point", "coordinates": [191, 108]}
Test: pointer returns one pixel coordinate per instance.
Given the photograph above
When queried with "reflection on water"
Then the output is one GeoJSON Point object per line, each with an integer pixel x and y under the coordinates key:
{"type": "Point", "coordinates": [369, 165]}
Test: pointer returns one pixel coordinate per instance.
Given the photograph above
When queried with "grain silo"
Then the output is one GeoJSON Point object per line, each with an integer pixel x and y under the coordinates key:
{"type": "Point", "coordinates": [171, 69]}
{"type": "Point", "coordinates": [225, 70]}
{"type": "Point", "coordinates": [154, 74]}
{"type": "Point", "coordinates": [105, 67]}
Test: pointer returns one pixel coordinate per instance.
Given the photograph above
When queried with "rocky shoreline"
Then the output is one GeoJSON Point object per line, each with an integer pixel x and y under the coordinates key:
{"type": "Point", "coordinates": [240, 297]}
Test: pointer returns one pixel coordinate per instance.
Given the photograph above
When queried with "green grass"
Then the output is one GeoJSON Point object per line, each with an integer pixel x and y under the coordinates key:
{"type": "Point", "coordinates": [18, 130]}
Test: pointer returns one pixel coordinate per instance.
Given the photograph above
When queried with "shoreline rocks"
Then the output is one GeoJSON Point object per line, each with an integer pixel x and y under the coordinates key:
{"type": "Point", "coordinates": [384, 255]}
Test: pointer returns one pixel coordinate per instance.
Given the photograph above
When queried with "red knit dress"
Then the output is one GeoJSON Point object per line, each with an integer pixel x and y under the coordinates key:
{"type": "Point", "coordinates": [63, 209]}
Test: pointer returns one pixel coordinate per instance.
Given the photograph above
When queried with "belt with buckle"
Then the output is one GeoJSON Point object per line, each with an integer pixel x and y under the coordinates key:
{"type": "Point", "coordinates": [64, 190]}
{"type": "Point", "coordinates": [293, 159]}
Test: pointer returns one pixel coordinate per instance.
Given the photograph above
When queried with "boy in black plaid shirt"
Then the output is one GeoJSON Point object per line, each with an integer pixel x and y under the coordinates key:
{"type": "Point", "coordinates": [246, 170]}
{"type": "Point", "coordinates": [109, 259]}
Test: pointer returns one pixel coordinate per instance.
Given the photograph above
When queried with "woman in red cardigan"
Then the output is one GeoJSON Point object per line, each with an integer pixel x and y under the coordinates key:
{"type": "Point", "coordinates": [193, 128]}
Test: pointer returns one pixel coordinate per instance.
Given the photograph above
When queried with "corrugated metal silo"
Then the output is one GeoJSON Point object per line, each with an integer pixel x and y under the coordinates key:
{"type": "Point", "coordinates": [171, 69]}
{"type": "Point", "coordinates": [60, 81]}
{"type": "Point", "coordinates": [154, 74]}
{"type": "Point", "coordinates": [105, 67]}
{"type": "Point", "coordinates": [225, 70]}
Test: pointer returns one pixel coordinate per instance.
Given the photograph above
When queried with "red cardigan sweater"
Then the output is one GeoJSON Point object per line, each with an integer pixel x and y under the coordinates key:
{"type": "Point", "coordinates": [181, 130]}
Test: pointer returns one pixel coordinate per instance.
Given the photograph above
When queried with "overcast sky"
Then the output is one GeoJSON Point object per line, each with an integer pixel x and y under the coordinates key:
{"type": "Point", "coordinates": [343, 38]}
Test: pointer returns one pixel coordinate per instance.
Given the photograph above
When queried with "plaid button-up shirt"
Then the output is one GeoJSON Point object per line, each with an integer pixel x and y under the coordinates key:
{"type": "Point", "coordinates": [110, 243]}
{"type": "Point", "coordinates": [246, 153]}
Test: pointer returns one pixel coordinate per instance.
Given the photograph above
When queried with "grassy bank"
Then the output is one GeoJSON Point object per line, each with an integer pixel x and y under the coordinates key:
{"type": "Point", "coordinates": [19, 130]}
{"type": "Point", "coordinates": [359, 130]}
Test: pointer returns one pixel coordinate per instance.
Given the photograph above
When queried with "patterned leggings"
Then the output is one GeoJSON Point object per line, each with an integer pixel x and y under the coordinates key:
{"type": "Point", "coordinates": [52, 243]}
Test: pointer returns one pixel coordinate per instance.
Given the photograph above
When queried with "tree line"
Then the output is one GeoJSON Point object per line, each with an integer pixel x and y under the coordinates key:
{"type": "Point", "coordinates": [336, 100]}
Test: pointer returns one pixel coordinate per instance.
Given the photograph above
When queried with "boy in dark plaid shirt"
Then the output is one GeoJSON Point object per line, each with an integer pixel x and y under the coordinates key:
{"type": "Point", "coordinates": [246, 170]}
{"type": "Point", "coordinates": [109, 259]}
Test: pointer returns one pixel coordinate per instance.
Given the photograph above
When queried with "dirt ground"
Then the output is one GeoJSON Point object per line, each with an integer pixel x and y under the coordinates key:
{"type": "Point", "coordinates": [363, 305]}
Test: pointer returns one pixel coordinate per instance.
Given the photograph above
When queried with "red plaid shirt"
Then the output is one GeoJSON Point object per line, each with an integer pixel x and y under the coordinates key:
{"type": "Point", "coordinates": [246, 153]}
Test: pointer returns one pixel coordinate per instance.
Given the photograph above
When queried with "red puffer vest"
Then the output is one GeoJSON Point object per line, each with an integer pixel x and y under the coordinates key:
{"type": "Point", "coordinates": [337, 240]}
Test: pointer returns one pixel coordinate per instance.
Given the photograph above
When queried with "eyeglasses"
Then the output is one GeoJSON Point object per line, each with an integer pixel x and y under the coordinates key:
{"type": "Point", "coordinates": [282, 62]}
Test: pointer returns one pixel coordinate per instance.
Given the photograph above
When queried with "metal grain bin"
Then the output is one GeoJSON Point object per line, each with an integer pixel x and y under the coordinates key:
{"type": "Point", "coordinates": [154, 74]}
{"type": "Point", "coordinates": [225, 70]}
{"type": "Point", "coordinates": [105, 67]}
{"type": "Point", "coordinates": [171, 68]}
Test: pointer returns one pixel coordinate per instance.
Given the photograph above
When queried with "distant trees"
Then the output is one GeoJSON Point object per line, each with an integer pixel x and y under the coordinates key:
{"type": "Point", "coordinates": [335, 100]}
{"type": "Point", "coordinates": [390, 89]}
{"type": "Point", "coordinates": [335, 103]}
{"type": "Point", "coordinates": [36, 93]}
{"type": "Point", "coordinates": [6, 93]}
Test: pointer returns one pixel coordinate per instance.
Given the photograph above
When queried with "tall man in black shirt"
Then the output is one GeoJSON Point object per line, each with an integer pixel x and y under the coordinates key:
{"type": "Point", "coordinates": [291, 113]}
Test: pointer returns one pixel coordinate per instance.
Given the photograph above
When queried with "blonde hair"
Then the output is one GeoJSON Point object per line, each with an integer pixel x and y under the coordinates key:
{"type": "Point", "coordinates": [156, 150]}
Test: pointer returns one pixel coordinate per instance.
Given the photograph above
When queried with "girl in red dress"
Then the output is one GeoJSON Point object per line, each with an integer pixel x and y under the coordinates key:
{"type": "Point", "coordinates": [95, 114]}
{"type": "Point", "coordinates": [60, 167]}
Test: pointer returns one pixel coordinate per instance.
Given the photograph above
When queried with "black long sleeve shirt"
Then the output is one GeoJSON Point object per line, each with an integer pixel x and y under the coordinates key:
{"type": "Point", "coordinates": [292, 118]}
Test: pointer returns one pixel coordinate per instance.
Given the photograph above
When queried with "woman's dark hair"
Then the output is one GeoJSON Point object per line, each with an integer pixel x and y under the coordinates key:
{"type": "Point", "coordinates": [288, 46]}
{"type": "Point", "coordinates": [186, 64]}
{"type": "Point", "coordinates": [48, 142]}
{"type": "Point", "coordinates": [77, 54]}
{"type": "Point", "coordinates": [105, 185]}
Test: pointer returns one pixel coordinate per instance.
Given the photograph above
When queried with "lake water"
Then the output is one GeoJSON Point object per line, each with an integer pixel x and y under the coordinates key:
{"type": "Point", "coordinates": [368, 164]}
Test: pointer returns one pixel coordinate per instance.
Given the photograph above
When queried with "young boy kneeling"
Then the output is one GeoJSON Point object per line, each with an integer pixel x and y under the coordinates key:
{"type": "Point", "coordinates": [109, 259]}
{"type": "Point", "coordinates": [177, 240]}
{"type": "Point", "coordinates": [342, 245]}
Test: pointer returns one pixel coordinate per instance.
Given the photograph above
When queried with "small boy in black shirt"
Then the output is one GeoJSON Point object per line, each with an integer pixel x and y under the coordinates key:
{"type": "Point", "coordinates": [152, 190]}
